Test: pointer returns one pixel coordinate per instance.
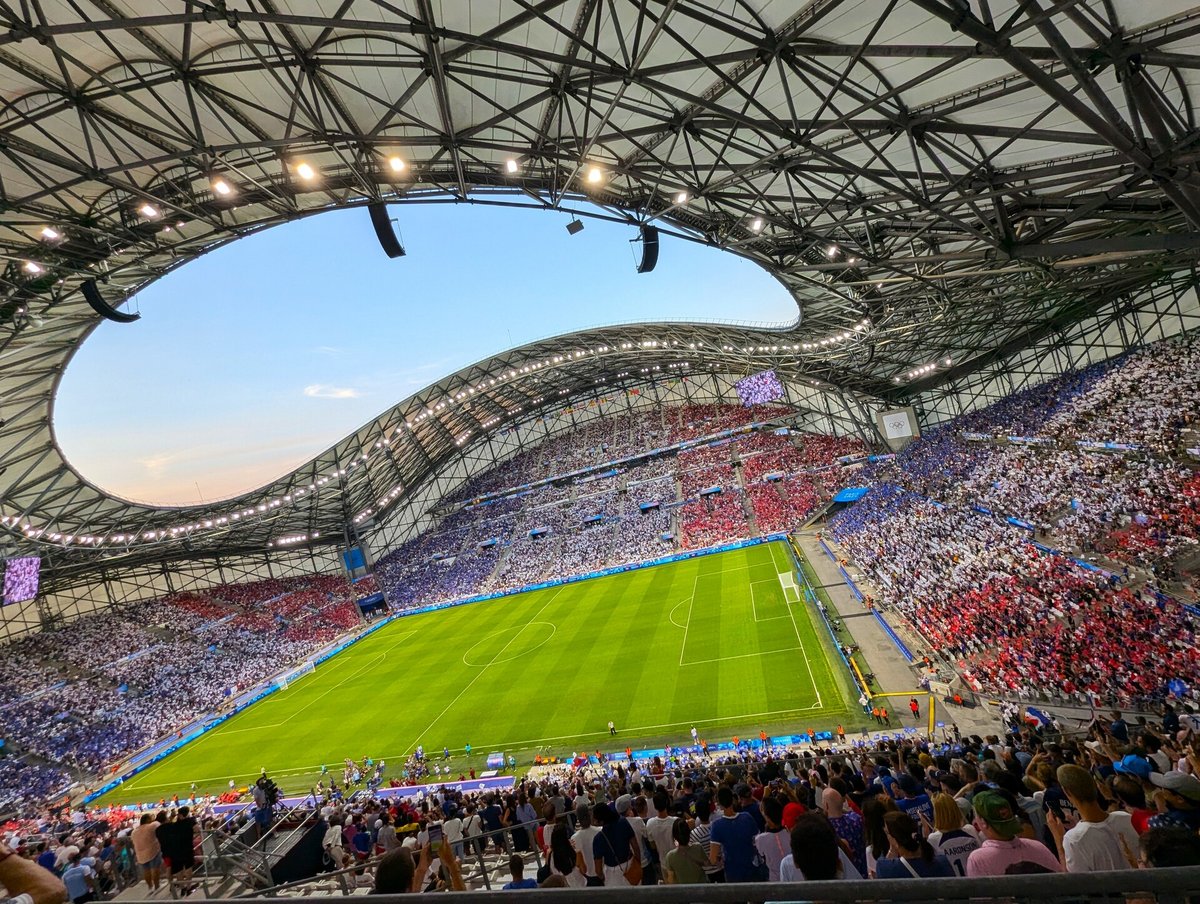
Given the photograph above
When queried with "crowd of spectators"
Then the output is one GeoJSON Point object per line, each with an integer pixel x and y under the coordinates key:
{"type": "Point", "coordinates": [946, 532]}
{"type": "Point", "coordinates": [1110, 796]}
{"type": "Point", "coordinates": [532, 518]}
{"type": "Point", "coordinates": [1127, 493]}
{"type": "Point", "coordinates": [88, 693]}
{"type": "Point", "coordinates": [1022, 621]}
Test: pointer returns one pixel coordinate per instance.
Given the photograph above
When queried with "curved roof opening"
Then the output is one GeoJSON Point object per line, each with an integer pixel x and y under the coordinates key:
{"type": "Point", "coordinates": [249, 361]}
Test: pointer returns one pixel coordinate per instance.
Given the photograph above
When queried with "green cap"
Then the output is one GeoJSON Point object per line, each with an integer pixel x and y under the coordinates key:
{"type": "Point", "coordinates": [997, 812]}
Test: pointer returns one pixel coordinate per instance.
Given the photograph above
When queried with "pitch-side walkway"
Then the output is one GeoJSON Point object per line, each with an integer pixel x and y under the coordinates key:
{"type": "Point", "coordinates": [892, 670]}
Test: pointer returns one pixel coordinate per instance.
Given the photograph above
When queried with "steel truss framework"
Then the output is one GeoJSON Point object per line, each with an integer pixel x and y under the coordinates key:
{"type": "Point", "coordinates": [122, 576]}
{"type": "Point", "coordinates": [932, 179]}
{"type": "Point", "coordinates": [1170, 309]}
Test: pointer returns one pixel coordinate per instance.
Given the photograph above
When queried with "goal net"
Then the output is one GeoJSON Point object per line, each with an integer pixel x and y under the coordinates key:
{"type": "Point", "coordinates": [787, 582]}
{"type": "Point", "coordinates": [284, 680]}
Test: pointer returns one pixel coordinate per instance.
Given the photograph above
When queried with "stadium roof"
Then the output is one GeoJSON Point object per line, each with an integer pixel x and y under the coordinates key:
{"type": "Point", "coordinates": [932, 179]}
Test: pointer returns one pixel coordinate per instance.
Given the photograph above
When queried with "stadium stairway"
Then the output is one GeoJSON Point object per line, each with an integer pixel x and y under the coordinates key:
{"type": "Point", "coordinates": [500, 560]}
{"type": "Point", "coordinates": [893, 673]}
{"type": "Point", "coordinates": [820, 513]}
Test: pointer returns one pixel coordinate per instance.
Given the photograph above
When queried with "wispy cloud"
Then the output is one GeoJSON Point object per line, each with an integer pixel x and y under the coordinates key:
{"type": "Point", "coordinates": [156, 463]}
{"type": "Point", "coordinates": [325, 391]}
{"type": "Point", "coordinates": [331, 350]}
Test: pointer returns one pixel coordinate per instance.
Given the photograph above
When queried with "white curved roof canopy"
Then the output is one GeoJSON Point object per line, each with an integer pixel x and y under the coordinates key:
{"type": "Point", "coordinates": [959, 177]}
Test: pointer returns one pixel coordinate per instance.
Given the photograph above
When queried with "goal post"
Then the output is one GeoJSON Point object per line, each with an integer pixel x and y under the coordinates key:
{"type": "Point", "coordinates": [787, 583]}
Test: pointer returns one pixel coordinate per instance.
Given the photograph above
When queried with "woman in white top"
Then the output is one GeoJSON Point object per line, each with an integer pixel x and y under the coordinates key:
{"type": "Point", "coordinates": [561, 857]}
{"type": "Point", "coordinates": [775, 843]}
{"type": "Point", "coordinates": [950, 834]}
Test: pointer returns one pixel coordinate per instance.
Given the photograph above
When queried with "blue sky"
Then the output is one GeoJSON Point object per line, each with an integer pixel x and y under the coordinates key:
{"type": "Point", "coordinates": [251, 360]}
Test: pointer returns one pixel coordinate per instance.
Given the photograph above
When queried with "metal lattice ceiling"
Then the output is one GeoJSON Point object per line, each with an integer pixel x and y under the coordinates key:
{"type": "Point", "coordinates": [960, 175]}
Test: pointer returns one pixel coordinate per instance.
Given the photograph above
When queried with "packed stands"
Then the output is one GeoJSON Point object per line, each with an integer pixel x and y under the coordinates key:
{"type": "Point", "coordinates": [946, 532]}
{"type": "Point", "coordinates": [1022, 621]}
{"type": "Point", "coordinates": [91, 692]}
{"type": "Point", "coordinates": [832, 813]}
{"type": "Point", "coordinates": [539, 490]}
{"type": "Point", "coordinates": [1126, 493]}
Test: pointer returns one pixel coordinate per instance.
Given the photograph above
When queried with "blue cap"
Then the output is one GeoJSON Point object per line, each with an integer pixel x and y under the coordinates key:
{"type": "Point", "coordinates": [1134, 765]}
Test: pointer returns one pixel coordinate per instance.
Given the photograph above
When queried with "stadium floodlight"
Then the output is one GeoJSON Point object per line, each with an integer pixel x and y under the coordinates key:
{"type": "Point", "coordinates": [595, 175]}
{"type": "Point", "coordinates": [831, 251]}
{"type": "Point", "coordinates": [511, 165]}
{"type": "Point", "coordinates": [32, 267]}
{"type": "Point", "coordinates": [756, 225]}
{"type": "Point", "coordinates": [221, 187]}
{"type": "Point", "coordinates": [396, 163]}
{"type": "Point", "coordinates": [681, 197]}
{"type": "Point", "coordinates": [149, 211]}
{"type": "Point", "coordinates": [50, 234]}
{"type": "Point", "coordinates": [575, 226]}
{"type": "Point", "coordinates": [305, 171]}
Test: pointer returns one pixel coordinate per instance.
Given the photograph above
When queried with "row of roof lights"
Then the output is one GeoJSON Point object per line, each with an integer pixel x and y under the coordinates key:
{"type": "Point", "coordinates": [294, 539]}
{"type": "Point", "coordinates": [835, 338]}
{"type": "Point", "coordinates": [224, 187]}
{"type": "Point", "coordinates": [922, 369]}
{"type": "Point", "coordinates": [269, 505]}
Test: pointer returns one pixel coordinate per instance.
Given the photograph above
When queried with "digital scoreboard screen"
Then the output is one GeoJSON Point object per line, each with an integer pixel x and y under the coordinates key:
{"type": "Point", "coordinates": [758, 389]}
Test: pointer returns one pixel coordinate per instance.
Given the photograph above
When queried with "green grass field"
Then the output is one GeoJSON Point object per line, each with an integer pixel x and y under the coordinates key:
{"type": "Point", "coordinates": [710, 642]}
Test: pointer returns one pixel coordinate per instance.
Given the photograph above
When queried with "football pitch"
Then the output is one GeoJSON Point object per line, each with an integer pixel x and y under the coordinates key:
{"type": "Point", "coordinates": [713, 641]}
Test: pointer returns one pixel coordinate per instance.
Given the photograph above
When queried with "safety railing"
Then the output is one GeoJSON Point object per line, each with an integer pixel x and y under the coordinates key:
{"type": "Point", "coordinates": [1147, 886]}
{"type": "Point", "coordinates": [236, 858]}
{"type": "Point", "coordinates": [480, 856]}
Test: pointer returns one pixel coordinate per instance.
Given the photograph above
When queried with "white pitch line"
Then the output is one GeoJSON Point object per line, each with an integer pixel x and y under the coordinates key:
{"type": "Point", "coordinates": [804, 653]}
{"type": "Point", "coordinates": [496, 745]}
{"type": "Point", "coordinates": [744, 655]}
{"type": "Point", "coordinates": [483, 670]}
{"type": "Point", "coordinates": [691, 603]}
{"type": "Point", "coordinates": [671, 614]}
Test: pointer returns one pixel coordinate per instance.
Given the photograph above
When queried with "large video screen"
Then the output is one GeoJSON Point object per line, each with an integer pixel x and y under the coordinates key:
{"type": "Point", "coordinates": [21, 579]}
{"type": "Point", "coordinates": [758, 389]}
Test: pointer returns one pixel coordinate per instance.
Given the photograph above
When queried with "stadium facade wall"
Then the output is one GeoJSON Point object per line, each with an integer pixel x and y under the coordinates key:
{"type": "Point", "coordinates": [1166, 309]}
{"type": "Point", "coordinates": [820, 410]}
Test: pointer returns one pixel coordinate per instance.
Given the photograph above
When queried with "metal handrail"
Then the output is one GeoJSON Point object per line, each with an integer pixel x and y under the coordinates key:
{"type": "Point", "coordinates": [1167, 886]}
{"type": "Point", "coordinates": [471, 853]}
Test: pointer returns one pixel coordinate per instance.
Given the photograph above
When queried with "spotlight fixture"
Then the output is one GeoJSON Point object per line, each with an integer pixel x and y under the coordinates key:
{"type": "Point", "coordinates": [831, 252]}
{"type": "Point", "coordinates": [305, 171]}
{"type": "Point", "coordinates": [396, 164]}
{"type": "Point", "coordinates": [575, 226]}
{"type": "Point", "coordinates": [756, 225]}
{"type": "Point", "coordinates": [681, 198]}
{"type": "Point", "coordinates": [50, 234]}
{"type": "Point", "coordinates": [221, 187]}
{"type": "Point", "coordinates": [32, 268]}
{"type": "Point", "coordinates": [595, 175]}
{"type": "Point", "coordinates": [149, 211]}
{"type": "Point", "coordinates": [511, 165]}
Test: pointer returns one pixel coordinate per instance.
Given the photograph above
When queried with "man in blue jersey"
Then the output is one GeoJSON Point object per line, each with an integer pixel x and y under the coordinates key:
{"type": "Point", "coordinates": [732, 839]}
{"type": "Point", "coordinates": [912, 799]}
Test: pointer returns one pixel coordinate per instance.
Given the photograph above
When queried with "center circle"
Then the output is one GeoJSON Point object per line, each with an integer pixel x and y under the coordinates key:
{"type": "Point", "coordinates": [508, 644]}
